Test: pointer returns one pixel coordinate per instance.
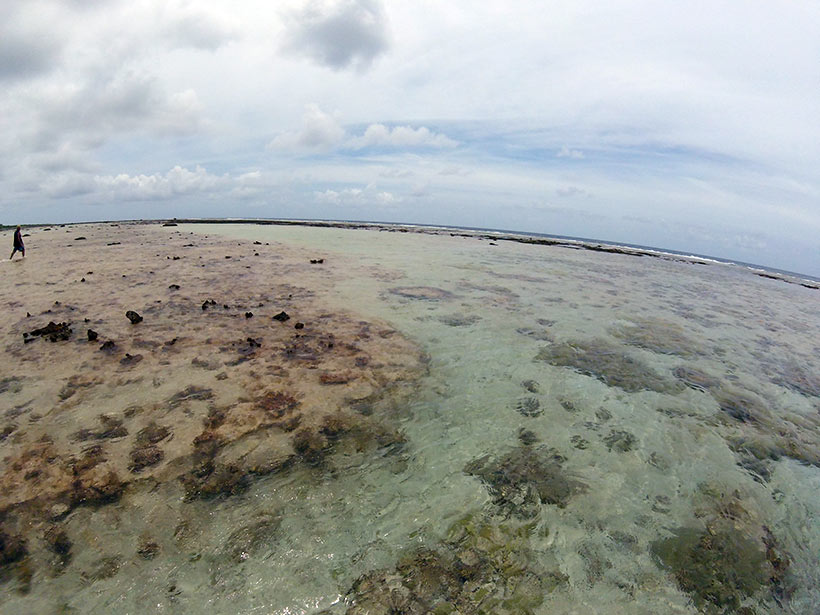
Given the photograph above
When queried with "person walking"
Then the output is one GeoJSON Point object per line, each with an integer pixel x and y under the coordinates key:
{"type": "Point", "coordinates": [18, 243]}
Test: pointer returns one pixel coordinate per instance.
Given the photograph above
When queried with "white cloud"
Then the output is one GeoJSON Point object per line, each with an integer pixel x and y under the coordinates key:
{"type": "Point", "coordinates": [566, 152]}
{"type": "Point", "coordinates": [339, 33]}
{"type": "Point", "coordinates": [379, 135]}
{"type": "Point", "coordinates": [319, 131]}
{"type": "Point", "coordinates": [570, 191]}
{"type": "Point", "coordinates": [176, 182]}
{"type": "Point", "coordinates": [370, 195]}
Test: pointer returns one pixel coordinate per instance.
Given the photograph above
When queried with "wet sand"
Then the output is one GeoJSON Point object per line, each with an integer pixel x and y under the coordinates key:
{"type": "Point", "coordinates": [135, 357]}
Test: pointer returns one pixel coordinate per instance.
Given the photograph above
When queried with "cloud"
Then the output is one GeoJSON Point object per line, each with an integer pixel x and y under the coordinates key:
{"type": "Point", "coordinates": [379, 135]}
{"type": "Point", "coordinates": [319, 131]}
{"type": "Point", "coordinates": [28, 47]}
{"type": "Point", "coordinates": [357, 197]}
{"type": "Point", "coordinates": [571, 191]}
{"type": "Point", "coordinates": [178, 181]}
{"type": "Point", "coordinates": [339, 33]}
{"type": "Point", "coordinates": [574, 154]}
{"type": "Point", "coordinates": [199, 29]}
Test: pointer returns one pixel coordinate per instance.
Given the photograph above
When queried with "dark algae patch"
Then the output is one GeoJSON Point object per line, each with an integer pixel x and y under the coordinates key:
{"type": "Point", "coordinates": [607, 363]}
{"type": "Point", "coordinates": [718, 567]}
{"type": "Point", "coordinates": [658, 336]}
{"type": "Point", "coordinates": [526, 477]}
{"type": "Point", "coordinates": [482, 566]}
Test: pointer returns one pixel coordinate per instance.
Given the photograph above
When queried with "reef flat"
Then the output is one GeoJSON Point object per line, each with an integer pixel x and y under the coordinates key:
{"type": "Point", "coordinates": [134, 358]}
{"type": "Point", "coordinates": [285, 418]}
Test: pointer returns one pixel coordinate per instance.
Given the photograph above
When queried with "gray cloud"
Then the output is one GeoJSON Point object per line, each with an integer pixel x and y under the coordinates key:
{"type": "Point", "coordinates": [339, 33]}
{"type": "Point", "coordinates": [28, 48]}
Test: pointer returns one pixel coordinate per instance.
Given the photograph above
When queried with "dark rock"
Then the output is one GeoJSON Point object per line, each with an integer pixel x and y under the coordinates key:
{"type": "Point", "coordinates": [53, 332]}
{"type": "Point", "coordinates": [190, 393]}
{"type": "Point", "coordinates": [133, 317]}
{"type": "Point", "coordinates": [424, 293]}
{"type": "Point", "coordinates": [170, 224]}
{"type": "Point", "coordinates": [248, 314]}
{"type": "Point", "coordinates": [525, 476]}
{"type": "Point", "coordinates": [92, 335]}
{"type": "Point", "coordinates": [299, 325]}
{"type": "Point", "coordinates": [151, 434]}
{"type": "Point", "coordinates": [529, 406]}
{"type": "Point", "coordinates": [145, 456]}
{"type": "Point", "coordinates": [251, 538]}
{"type": "Point", "coordinates": [527, 437]}
{"type": "Point", "coordinates": [208, 303]}
{"type": "Point", "coordinates": [12, 548]}
{"type": "Point", "coordinates": [281, 317]}
{"type": "Point", "coordinates": [718, 566]}
{"type": "Point", "coordinates": [310, 445]}
{"type": "Point", "coordinates": [695, 378]}
{"type": "Point", "coordinates": [620, 441]}
{"type": "Point", "coordinates": [317, 261]}
{"type": "Point", "coordinates": [80, 238]}
{"type": "Point", "coordinates": [58, 542]}
{"type": "Point", "coordinates": [96, 491]}
{"type": "Point", "coordinates": [148, 549]}
{"type": "Point", "coordinates": [174, 286]}
{"type": "Point", "coordinates": [130, 360]}
{"type": "Point", "coordinates": [109, 346]}
{"type": "Point", "coordinates": [606, 363]}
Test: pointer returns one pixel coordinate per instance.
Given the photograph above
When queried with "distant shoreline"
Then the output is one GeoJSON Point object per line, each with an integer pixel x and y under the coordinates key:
{"type": "Point", "coordinates": [577, 243]}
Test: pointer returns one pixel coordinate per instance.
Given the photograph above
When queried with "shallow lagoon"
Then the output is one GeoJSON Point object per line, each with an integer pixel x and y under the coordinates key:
{"type": "Point", "coordinates": [592, 432]}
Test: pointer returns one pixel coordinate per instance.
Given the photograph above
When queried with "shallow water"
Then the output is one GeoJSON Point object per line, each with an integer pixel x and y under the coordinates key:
{"type": "Point", "coordinates": [587, 407]}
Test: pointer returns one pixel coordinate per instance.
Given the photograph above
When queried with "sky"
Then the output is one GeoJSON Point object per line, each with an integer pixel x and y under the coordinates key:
{"type": "Point", "coordinates": [692, 126]}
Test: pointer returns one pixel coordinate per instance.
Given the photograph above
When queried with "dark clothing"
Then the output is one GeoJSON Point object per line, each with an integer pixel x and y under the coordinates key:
{"type": "Point", "coordinates": [18, 244]}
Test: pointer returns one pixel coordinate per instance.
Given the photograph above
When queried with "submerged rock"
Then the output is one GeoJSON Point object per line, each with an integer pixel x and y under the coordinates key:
{"type": "Point", "coordinates": [718, 566]}
{"type": "Point", "coordinates": [529, 406]}
{"type": "Point", "coordinates": [606, 363]}
{"type": "Point", "coordinates": [695, 378]}
{"type": "Point", "coordinates": [481, 567]}
{"type": "Point", "coordinates": [133, 317]}
{"type": "Point", "coordinates": [425, 293]}
{"type": "Point", "coordinates": [12, 548]}
{"type": "Point", "coordinates": [249, 539]}
{"type": "Point", "coordinates": [620, 441]}
{"type": "Point", "coordinates": [145, 456]}
{"type": "Point", "coordinates": [658, 336]}
{"type": "Point", "coordinates": [526, 476]}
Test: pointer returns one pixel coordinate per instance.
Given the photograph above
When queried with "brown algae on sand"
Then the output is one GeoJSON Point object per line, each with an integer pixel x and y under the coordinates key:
{"type": "Point", "coordinates": [89, 428]}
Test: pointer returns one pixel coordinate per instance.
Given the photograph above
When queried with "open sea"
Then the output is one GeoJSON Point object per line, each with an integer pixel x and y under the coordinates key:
{"type": "Point", "coordinates": [588, 432]}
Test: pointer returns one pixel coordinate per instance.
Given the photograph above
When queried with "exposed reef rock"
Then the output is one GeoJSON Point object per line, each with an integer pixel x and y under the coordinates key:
{"type": "Point", "coordinates": [96, 428]}
{"type": "Point", "coordinates": [606, 363]}
{"type": "Point", "coordinates": [53, 332]}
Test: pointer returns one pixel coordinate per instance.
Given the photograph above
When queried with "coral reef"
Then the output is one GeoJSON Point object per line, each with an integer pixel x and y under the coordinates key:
{"type": "Point", "coordinates": [607, 363]}
{"type": "Point", "coordinates": [526, 477]}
